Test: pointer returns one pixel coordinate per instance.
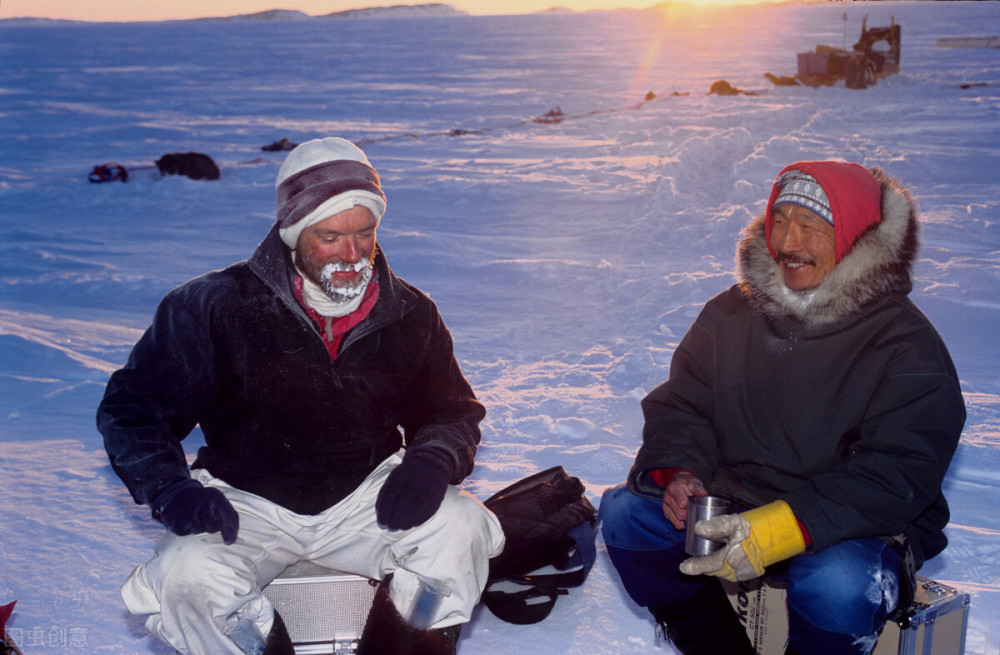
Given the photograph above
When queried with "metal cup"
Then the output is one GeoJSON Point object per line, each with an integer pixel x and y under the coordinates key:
{"type": "Point", "coordinates": [423, 612]}
{"type": "Point", "coordinates": [701, 508]}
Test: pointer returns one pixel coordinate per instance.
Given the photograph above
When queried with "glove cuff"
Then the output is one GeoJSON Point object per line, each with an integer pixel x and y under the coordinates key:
{"type": "Point", "coordinates": [776, 532]}
{"type": "Point", "coordinates": [439, 458]}
{"type": "Point", "coordinates": [164, 497]}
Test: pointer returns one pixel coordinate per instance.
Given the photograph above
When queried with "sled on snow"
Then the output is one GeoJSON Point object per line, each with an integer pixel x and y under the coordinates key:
{"type": "Point", "coordinates": [875, 55]}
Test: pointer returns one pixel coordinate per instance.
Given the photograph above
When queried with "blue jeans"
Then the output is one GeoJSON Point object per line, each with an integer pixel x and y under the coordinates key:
{"type": "Point", "coordinates": [838, 598]}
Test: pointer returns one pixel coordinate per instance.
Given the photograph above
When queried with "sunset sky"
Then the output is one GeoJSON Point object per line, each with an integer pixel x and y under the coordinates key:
{"type": "Point", "coordinates": [130, 10]}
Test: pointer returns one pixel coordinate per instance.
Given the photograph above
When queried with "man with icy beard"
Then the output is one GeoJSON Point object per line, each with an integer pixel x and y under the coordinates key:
{"type": "Point", "coordinates": [821, 402]}
{"type": "Point", "coordinates": [337, 425]}
{"type": "Point", "coordinates": [343, 292]}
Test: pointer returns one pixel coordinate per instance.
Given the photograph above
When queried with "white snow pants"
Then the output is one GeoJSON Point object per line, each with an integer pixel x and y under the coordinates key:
{"type": "Point", "coordinates": [194, 583]}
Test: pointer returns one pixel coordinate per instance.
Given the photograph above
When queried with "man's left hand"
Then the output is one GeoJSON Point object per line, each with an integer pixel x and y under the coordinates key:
{"type": "Point", "coordinates": [413, 491]}
{"type": "Point", "coordinates": [754, 540]}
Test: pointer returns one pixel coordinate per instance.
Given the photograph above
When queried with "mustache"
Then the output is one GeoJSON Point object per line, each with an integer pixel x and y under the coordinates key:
{"type": "Point", "coordinates": [343, 267]}
{"type": "Point", "coordinates": [786, 258]}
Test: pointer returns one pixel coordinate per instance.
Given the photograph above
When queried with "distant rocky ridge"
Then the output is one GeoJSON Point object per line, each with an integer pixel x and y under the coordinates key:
{"type": "Point", "coordinates": [390, 11]}
{"type": "Point", "coordinates": [399, 11]}
{"type": "Point", "coordinates": [272, 14]}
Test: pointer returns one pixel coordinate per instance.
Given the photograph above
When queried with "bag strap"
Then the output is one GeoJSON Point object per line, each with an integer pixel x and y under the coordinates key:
{"type": "Point", "coordinates": [523, 599]}
{"type": "Point", "coordinates": [530, 604]}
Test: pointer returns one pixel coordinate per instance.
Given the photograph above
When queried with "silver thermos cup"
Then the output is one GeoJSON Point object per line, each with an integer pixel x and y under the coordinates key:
{"type": "Point", "coordinates": [701, 508]}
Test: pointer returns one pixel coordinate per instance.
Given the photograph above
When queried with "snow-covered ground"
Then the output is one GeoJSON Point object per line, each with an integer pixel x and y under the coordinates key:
{"type": "Point", "coordinates": [568, 258]}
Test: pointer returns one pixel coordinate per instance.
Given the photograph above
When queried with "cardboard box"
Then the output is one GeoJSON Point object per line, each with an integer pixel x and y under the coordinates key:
{"type": "Point", "coordinates": [934, 624]}
{"type": "Point", "coordinates": [760, 605]}
{"type": "Point", "coordinates": [324, 610]}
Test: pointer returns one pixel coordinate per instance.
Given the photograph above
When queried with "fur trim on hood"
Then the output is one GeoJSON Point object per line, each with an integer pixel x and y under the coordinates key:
{"type": "Point", "coordinates": [877, 265]}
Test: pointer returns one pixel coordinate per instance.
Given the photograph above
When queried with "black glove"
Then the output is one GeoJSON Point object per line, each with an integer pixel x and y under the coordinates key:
{"type": "Point", "coordinates": [186, 507]}
{"type": "Point", "coordinates": [414, 489]}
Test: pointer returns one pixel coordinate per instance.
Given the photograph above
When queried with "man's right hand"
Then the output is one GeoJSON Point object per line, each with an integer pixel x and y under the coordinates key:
{"type": "Point", "coordinates": [675, 498]}
{"type": "Point", "coordinates": [187, 507]}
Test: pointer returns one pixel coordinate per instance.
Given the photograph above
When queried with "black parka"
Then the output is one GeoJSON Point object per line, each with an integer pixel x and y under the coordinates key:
{"type": "Point", "coordinates": [234, 351]}
{"type": "Point", "coordinates": [843, 402]}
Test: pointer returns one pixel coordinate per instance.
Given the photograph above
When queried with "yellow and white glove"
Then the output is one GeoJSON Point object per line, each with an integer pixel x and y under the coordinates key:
{"type": "Point", "coordinates": [754, 540]}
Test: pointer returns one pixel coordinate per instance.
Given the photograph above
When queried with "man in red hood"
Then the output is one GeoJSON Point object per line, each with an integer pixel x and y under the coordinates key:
{"type": "Point", "coordinates": [821, 402]}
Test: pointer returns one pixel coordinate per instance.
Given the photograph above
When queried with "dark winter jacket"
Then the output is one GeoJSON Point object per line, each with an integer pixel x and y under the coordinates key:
{"type": "Point", "coordinates": [842, 401]}
{"type": "Point", "coordinates": [235, 352]}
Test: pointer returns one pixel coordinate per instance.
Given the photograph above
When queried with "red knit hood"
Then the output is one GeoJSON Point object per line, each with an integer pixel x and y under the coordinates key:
{"type": "Point", "coordinates": [854, 195]}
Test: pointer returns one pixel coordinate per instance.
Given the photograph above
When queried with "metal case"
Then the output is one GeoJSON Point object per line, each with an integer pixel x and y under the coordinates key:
{"type": "Point", "coordinates": [934, 624]}
{"type": "Point", "coordinates": [324, 610]}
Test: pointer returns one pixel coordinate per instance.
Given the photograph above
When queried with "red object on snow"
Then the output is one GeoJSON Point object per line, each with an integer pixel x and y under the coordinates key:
{"type": "Point", "coordinates": [5, 612]}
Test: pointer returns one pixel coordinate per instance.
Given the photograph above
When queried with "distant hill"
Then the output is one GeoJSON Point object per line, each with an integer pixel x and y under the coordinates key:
{"type": "Point", "coordinates": [41, 22]}
{"type": "Point", "coordinates": [399, 11]}
{"type": "Point", "coordinates": [390, 11]}
{"type": "Point", "coordinates": [272, 14]}
{"type": "Point", "coordinates": [393, 11]}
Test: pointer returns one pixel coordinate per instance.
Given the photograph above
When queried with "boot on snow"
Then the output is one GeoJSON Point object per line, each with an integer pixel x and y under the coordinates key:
{"type": "Point", "coordinates": [704, 624]}
{"type": "Point", "coordinates": [388, 633]}
{"type": "Point", "coordinates": [278, 642]}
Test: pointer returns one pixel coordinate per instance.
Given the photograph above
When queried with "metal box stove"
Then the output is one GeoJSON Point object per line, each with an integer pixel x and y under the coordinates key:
{"type": "Point", "coordinates": [324, 610]}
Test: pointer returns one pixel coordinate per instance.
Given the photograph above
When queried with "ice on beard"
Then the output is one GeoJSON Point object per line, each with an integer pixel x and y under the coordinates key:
{"type": "Point", "coordinates": [351, 289]}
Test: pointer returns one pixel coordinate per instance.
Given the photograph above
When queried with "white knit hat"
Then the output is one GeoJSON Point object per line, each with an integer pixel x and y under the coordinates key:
{"type": "Point", "coordinates": [321, 178]}
{"type": "Point", "coordinates": [798, 188]}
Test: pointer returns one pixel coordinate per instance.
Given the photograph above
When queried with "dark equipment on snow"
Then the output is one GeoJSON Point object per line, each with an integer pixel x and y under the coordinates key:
{"type": "Point", "coordinates": [108, 172]}
{"type": "Point", "coordinates": [550, 529]}
{"type": "Point", "coordinates": [281, 145]}
{"type": "Point", "coordinates": [554, 115]}
{"type": "Point", "coordinates": [724, 88]}
{"type": "Point", "coordinates": [195, 165]}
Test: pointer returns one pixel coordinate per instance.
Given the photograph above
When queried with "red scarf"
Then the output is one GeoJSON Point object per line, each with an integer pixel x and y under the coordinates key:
{"type": "Point", "coordinates": [333, 328]}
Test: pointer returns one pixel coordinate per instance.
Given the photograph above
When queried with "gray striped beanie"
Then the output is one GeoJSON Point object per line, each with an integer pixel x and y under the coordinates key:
{"type": "Point", "coordinates": [321, 178]}
{"type": "Point", "coordinates": [802, 189]}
